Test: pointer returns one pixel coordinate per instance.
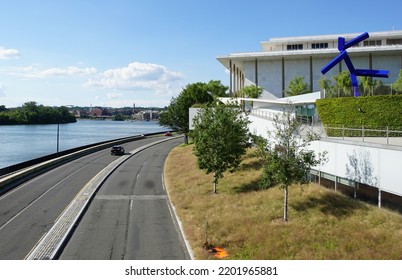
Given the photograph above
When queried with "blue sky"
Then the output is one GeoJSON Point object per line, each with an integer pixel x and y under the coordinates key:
{"type": "Point", "coordinates": [119, 52]}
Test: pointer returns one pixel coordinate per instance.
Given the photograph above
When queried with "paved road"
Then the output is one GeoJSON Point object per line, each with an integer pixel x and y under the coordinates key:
{"type": "Point", "coordinates": [29, 211]}
{"type": "Point", "coordinates": [129, 217]}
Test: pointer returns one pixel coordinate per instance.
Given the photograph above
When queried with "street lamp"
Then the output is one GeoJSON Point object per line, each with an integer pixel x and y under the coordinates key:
{"type": "Point", "coordinates": [58, 136]}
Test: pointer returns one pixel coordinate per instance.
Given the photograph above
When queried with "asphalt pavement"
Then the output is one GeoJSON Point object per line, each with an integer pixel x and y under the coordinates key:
{"type": "Point", "coordinates": [29, 212]}
{"type": "Point", "coordinates": [130, 217]}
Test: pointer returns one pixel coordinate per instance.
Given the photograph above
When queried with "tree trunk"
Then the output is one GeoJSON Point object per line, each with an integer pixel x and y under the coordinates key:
{"type": "Point", "coordinates": [215, 179]}
{"type": "Point", "coordinates": [185, 138]}
{"type": "Point", "coordinates": [285, 205]}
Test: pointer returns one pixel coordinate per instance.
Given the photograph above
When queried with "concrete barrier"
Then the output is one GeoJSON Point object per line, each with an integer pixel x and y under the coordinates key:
{"type": "Point", "coordinates": [41, 165]}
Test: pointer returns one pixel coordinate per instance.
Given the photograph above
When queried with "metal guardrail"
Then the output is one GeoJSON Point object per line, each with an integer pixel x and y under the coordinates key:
{"type": "Point", "coordinates": [386, 136]}
{"type": "Point", "coordinates": [364, 133]}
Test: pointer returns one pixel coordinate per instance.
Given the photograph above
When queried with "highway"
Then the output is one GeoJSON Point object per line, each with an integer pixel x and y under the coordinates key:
{"type": "Point", "coordinates": [29, 211]}
{"type": "Point", "coordinates": [129, 217]}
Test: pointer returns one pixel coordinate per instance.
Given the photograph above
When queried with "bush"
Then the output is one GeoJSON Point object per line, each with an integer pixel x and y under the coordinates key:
{"type": "Point", "coordinates": [375, 112]}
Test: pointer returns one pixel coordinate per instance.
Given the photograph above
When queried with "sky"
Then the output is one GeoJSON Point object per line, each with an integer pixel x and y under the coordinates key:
{"type": "Point", "coordinates": [114, 53]}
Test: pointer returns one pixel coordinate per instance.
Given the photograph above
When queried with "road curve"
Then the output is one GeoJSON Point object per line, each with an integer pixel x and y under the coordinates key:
{"type": "Point", "coordinates": [29, 211]}
{"type": "Point", "coordinates": [130, 217]}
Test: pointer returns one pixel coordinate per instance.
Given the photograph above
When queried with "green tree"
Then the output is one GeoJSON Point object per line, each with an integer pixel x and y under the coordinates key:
{"type": "Point", "coordinates": [118, 117]}
{"type": "Point", "coordinates": [287, 160]}
{"type": "Point", "coordinates": [343, 84]}
{"type": "Point", "coordinates": [176, 115]}
{"type": "Point", "coordinates": [220, 139]}
{"type": "Point", "coordinates": [398, 83]}
{"type": "Point", "coordinates": [370, 85]}
{"type": "Point", "coordinates": [32, 113]}
{"type": "Point", "coordinates": [297, 86]}
{"type": "Point", "coordinates": [326, 86]}
{"type": "Point", "coordinates": [216, 88]}
{"type": "Point", "coordinates": [251, 91]}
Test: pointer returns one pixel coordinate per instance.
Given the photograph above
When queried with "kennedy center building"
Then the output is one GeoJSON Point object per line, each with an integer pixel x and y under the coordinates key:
{"type": "Point", "coordinates": [282, 59]}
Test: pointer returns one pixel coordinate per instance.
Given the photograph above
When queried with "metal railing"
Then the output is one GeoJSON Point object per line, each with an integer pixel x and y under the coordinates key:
{"type": "Point", "coordinates": [365, 134]}
{"type": "Point", "coordinates": [387, 135]}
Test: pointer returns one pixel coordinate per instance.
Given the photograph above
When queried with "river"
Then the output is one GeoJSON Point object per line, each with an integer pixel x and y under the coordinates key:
{"type": "Point", "coordinates": [19, 143]}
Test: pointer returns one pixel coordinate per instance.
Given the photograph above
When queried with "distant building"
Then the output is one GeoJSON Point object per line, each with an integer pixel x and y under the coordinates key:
{"type": "Point", "coordinates": [282, 59]}
{"type": "Point", "coordinates": [150, 115]}
{"type": "Point", "coordinates": [96, 112]}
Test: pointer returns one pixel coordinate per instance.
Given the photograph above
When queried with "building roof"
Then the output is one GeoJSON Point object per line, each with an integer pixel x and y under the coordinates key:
{"type": "Point", "coordinates": [240, 58]}
{"type": "Point", "coordinates": [315, 38]}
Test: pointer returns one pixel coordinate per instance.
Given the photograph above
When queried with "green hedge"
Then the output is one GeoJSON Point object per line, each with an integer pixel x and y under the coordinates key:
{"type": "Point", "coordinates": [372, 112]}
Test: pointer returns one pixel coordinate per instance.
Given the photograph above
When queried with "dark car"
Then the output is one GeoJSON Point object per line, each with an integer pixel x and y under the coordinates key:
{"type": "Point", "coordinates": [117, 150]}
{"type": "Point", "coordinates": [168, 134]}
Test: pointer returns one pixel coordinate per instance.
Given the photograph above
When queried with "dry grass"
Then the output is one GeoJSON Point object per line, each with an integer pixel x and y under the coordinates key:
{"type": "Point", "coordinates": [247, 221]}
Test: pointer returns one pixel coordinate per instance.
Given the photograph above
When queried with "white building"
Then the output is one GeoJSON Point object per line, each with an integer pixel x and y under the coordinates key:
{"type": "Point", "coordinates": [281, 59]}
{"type": "Point", "coordinates": [375, 177]}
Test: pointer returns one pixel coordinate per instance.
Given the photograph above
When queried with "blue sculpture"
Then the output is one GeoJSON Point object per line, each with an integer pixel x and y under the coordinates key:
{"type": "Point", "coordinates": [342, 47]}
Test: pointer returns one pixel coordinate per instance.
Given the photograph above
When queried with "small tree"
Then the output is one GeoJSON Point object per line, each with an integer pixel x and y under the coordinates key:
{"type": "Point", "coordinates": [286, 158]}
{"type": "Point", "coordinates": [326, 85]}
{"type": "Point", "coordinates": [343, 84]}
{"type": "Point", "coordinates": [370, 85]}
{"type": "Point", "coordinates": [220, 139]}
{"type": "Point", "coordinates": [398, 83]}
{"type": "Point", "coordinates": [297, 86]}
{"type": "Point", "coordinates": [251, 91]}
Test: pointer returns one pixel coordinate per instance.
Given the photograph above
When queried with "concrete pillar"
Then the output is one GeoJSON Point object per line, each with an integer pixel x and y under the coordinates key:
{"type": "Point", "coordinates": [230, 78]}
{"type": "Point", "coordinates": [311, 74]}
{"type": "Point", "coordinates": [283, 77]}
{"type": "Point", "coordinates": [238, 80]}
{"type": "Point", "coordinates": [256, 72]}
{"type": "Point", "coordinates": [370, 61]}
{"type": "Point", "coordinates": [336, 183]}
{"type": "Point", "coordinates": [234, 80]}
{"type": "Point", "coordinates": [379, 198]}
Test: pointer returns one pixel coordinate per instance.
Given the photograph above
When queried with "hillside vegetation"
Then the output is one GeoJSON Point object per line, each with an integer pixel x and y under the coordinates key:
{"type": "Point", "coordinates": [32, 113]}
{"type": "Point", "coordinates": [247, 222]}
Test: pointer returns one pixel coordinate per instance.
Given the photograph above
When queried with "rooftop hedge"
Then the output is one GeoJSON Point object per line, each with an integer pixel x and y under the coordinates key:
{"type": "Point", "coordinates": [375, 112]}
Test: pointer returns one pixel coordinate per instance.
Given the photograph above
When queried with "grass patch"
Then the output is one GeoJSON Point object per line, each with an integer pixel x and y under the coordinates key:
{"type": "Point", "coordinates": [247, 221]}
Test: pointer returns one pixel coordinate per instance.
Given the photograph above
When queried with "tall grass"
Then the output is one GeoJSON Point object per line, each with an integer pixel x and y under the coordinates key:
{"type": "Point", "coordinates": [247, 221]}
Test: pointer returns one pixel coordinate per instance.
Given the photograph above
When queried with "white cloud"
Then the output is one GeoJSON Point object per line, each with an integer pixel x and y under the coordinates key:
{"type": "Point", "coordinates": [34, 72]}
{"type": "Point", "coordinates": [113, 95]}
{"type": "Point", "coordinates": [9, 53]}
{"type": "Point", "coordinates": [2, 90]}
{"type": "Point", "coordinates": [137, 76]}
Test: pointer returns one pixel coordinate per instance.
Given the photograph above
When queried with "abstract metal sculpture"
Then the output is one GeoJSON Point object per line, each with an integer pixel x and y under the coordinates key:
{"type": "Point", "coordinates": [342, 47]}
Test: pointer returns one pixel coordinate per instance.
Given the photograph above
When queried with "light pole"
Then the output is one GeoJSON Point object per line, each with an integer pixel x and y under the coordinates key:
{"type": "Point", "coordinates": [58, 136]}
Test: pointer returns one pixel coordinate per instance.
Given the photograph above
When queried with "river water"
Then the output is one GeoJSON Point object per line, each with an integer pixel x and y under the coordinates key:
{"type": "Point", "coordinates": [19, 143]}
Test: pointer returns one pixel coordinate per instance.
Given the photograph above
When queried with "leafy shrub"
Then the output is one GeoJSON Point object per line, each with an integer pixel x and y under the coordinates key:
{"type": "Point", "coordinates": [372, 112]}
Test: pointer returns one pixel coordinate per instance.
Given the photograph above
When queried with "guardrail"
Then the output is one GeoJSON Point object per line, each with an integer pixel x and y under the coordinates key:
{"type": "Point", "coordinates": [363, 133]}
{"type": "Point", "coordinates": [14, 175]}
{"type": "Point", "coordinates": [385, 136]}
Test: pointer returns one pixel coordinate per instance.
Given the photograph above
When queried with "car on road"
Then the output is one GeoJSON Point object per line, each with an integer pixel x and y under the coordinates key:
{"type": "Point", "coordinates": [117, 150]}
{"type": "Point", "coordinates": [168, 134]}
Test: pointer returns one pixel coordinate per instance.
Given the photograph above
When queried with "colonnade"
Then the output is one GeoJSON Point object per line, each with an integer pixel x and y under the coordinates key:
{"type": "Point", "coordinates": [237, 79]}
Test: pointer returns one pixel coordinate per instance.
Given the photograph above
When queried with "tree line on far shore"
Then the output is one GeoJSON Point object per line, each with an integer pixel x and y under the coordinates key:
{"type": "Point", "coordinates": [32, 113]}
